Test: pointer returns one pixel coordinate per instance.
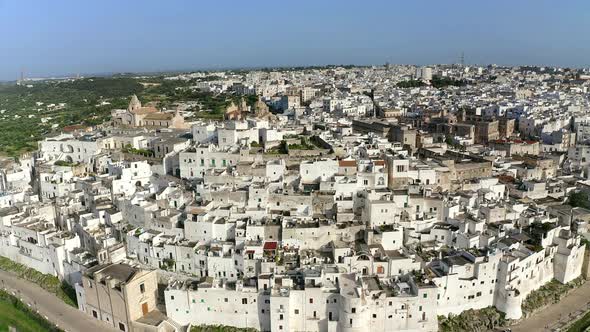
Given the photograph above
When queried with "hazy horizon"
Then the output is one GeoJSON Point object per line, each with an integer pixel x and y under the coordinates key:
{"type": "Point", "coordinates": [68, 37]}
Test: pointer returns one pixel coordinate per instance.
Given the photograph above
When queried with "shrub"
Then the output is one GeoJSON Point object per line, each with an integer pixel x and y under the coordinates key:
{"type": "Point", "coordinates": [472, 320]}
{"type": "Point", "coordinates": [64, 163]}
{"type": "Point", "coordinates": [219, 328]}
{"type": "Point", "coordinates": [550, 293]}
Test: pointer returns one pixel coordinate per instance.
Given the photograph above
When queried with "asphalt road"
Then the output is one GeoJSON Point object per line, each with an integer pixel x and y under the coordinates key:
{"type": "Point", "coordinates": [49, 306]}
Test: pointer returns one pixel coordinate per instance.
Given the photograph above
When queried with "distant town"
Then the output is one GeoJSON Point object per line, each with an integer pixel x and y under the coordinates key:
{"type": "Point", "coordinates": [335, 198]}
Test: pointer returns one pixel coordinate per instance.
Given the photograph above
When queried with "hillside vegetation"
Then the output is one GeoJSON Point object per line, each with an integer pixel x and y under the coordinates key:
{"type": "Point", "coordinates": [30, 112]}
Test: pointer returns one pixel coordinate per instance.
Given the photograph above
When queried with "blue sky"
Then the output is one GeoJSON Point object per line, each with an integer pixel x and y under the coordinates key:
{"type": "Point", "coordinates": [52, 37]}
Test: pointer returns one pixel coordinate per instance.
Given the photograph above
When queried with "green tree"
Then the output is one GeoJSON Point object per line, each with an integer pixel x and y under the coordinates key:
{"type": "Point", "coordinates": [579, 199]}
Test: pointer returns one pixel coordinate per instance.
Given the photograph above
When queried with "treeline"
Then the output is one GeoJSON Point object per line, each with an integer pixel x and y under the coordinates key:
{"type": "Point", "coordinates": [437, 82]}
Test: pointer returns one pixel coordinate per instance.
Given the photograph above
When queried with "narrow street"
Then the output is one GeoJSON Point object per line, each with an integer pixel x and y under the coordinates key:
{"type": "Point", "coordinates": [49, 306]}
{"type": "Point", "coordinates": [558, 314]}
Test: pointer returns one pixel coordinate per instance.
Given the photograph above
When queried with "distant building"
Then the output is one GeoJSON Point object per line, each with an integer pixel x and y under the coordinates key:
{"type": "Point", "coordinates": [137, 115]}
{"type": "Point", "coordinates": [424, 73]}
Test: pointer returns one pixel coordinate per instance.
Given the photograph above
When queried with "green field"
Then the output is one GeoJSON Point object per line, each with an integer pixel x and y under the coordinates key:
{"type": "Point", "coordinates": [15, 313]}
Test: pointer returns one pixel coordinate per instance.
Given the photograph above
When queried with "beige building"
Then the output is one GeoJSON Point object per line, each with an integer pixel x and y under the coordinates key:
{"type": "Point", "coordinates": [516, 147]}
{"type": "Point", "coordinates": [118, 294]}
{"type": "Point", "coordinates": [137, 115]}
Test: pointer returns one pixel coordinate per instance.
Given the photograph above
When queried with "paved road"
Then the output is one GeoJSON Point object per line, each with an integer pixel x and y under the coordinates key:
{"type": "Point", "coordinates": [52, 308]}
{"type": "Point", "coordinates": [548, 319]}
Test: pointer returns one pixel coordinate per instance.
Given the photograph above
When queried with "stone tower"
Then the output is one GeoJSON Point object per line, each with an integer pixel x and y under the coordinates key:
{"type": "Point", "coordinates": [134, 104]}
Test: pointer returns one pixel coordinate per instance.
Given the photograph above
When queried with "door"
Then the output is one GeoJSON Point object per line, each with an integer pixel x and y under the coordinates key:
{"type": "Point", "coordinates": [144, 308]}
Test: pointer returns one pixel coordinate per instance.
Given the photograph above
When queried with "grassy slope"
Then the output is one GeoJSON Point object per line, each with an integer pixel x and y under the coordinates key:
{"type": "Point", "coordinates": [10, 316]}
{"type": "Point", "coordinates": [581, 324]}
{"type": "Point", "coordinates": [15, 313]}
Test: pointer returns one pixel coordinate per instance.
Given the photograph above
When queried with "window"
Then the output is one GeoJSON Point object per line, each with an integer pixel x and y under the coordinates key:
{"type": "Point", "coordinates": [425, 295]}
{"type": "Point", "coordinates": [142, 289]}
{"type": "Point", "coordinates": [244, 301]}
{"type": "Point", "coordinates": [310, 300]}
{"type": "Point", "coordinates": [374, 315]}
{"type": "Point", "coordinates": [121, 326]}
{"type": "Point", "coordinates": [94, 313]}
{"type": "Point", "coordinates": [296, 311]}
{"type": "Point", "coordinates": [281, 317]}
{"type": "Point", "coordinates": [353, 310]}
{"type": "Point", "coordinates": [172, 297]}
